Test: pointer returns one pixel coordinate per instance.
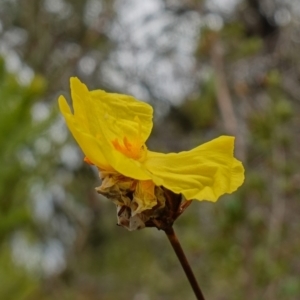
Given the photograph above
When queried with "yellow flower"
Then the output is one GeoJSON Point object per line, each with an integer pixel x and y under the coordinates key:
{"type": "Point", "coordinates": [112, 129]}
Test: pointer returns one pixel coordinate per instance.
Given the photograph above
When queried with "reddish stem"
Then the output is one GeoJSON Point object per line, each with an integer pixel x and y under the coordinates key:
{"type": "Point", "coordinates": [184, 263]}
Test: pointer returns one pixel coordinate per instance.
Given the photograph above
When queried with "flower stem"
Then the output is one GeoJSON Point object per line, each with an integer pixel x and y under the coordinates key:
{"type": "Point", "coordinates": [184, 263]}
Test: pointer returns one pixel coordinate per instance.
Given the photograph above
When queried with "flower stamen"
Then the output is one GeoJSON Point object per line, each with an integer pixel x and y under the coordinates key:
{"type": "Point", "coordinates": [133, 150]}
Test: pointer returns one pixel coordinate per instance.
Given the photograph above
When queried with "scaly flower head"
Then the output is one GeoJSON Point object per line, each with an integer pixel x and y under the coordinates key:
{"type": "Point", "coordinates": [112, 129]}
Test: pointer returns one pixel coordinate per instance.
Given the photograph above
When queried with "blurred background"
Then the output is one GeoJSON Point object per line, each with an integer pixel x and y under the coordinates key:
{"type": "Point", "coordinates": [209, 68]}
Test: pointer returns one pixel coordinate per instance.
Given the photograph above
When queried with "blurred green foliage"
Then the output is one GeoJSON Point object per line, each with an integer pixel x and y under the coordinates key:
{"type": "Point", "coordinates": [16, 134]}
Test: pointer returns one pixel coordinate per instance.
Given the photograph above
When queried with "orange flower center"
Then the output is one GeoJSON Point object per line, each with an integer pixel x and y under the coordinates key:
{"type": "Point", "coordinates": [135, 150]}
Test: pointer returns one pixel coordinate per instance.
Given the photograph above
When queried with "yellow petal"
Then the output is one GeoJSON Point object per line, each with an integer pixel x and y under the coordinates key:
{"type": "Point", "coordinates": [143, 197]}
{"type": "Point", "coordinates": [92, 132]}
{"type": "Point", "coordinates": [125, 121]}
{"type": "Point", "coordinates": [124, 115]}
{"type": "Point", "coordinates": [88, 144]}
{"type": "Point", "coordinates": [237, 175]}
{"type": "Point", "coordinates": [203, 173]}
